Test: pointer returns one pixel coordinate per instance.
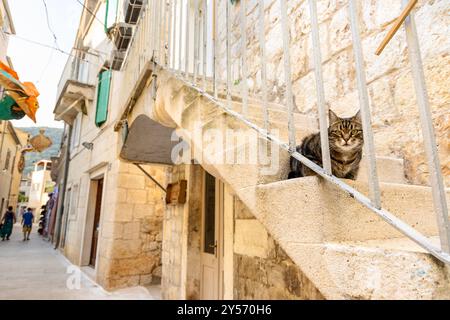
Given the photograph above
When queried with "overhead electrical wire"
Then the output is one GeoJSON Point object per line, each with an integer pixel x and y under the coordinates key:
{"type": "Point", "coordinates": [59, 50]}
{"type": "Point", "coordinates": [55, 39]}
{"type": "Point", "coordinates": [57, 47]}
{"type": "Point", "coordinates": [48, 24]}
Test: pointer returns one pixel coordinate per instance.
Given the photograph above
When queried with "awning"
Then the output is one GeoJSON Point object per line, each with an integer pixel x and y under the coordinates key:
{"type": "Point", "coordinates": [148, 142]}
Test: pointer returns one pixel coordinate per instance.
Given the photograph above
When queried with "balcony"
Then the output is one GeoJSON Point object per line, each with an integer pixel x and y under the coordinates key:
{"type": "Point", "coordinates": [75, 88]}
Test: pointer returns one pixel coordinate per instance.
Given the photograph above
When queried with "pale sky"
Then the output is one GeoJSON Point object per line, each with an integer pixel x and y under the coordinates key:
{"type": "Point", "coordinates": [38, 64]}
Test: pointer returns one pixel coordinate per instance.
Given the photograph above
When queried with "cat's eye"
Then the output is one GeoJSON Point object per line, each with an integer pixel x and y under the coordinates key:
{"type": "Point", "coordinates": [355, 131]}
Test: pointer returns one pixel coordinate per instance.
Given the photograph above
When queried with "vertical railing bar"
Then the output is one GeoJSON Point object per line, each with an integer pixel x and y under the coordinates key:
{"type": "Point", "coordinates": [369, 146]}
{"type": "Point", "coordinates": [228, 44]}
{"type": "Point", "coordinates": [175, 34]}
{"type": "Point", "coordinates": [437, 184]}
{"type": "Point", "coordinates": [244, 84]}
{"type": "Point", "coordinates": [158, 32]}
{"type": "Point", "coordinates": [262, 45]}
{"type": "Point", "coordinates": [325, 145]}
{"type": "Point", "coordinates": [196, 40]}
{"type": "Point", "coordinates": [162, 31]}
{"type": "Point", "coordinates": [215, 47]}
{"type": "Point", "coordinates": [169, 33]}
{"type": "Point", "coordinates": [154, 29]}
{"type": "Point", "coordinates": [174, 31]}
{"type": "Point", "coordinates": [287, 73]}
{"type": "Point", "coordinates": [166, 33]}
{"type": "Point", "coordinates": [205, 43]}
{"type": "Point", "coordinates": [148, 51]}
{"type": "Point", "coordinates": [180, 38]}
{"type": "Point", "coordinates": [188, 31]}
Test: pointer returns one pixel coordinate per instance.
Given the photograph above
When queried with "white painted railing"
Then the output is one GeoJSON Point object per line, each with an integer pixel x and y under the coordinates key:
{"type": "Point", "coordinates": [181, 36]}
{"type": "Point", "coordinates": [76, 69]}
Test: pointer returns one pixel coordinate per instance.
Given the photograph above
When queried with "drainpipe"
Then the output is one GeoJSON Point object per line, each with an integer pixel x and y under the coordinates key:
{"type": "Point", "coordinates": [62, 192]}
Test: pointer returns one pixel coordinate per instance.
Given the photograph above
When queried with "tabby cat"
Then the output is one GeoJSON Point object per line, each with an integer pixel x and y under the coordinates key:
{"type": "Point", "coordinates": [346, 142]}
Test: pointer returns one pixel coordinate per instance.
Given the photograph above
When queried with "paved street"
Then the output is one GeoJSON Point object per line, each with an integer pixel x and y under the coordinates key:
{"type": "Point", "coordinates": [34, 270]}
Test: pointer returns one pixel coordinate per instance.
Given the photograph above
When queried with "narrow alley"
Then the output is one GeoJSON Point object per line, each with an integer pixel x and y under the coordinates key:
{"type": "Point", "coordinates": [34, 270]}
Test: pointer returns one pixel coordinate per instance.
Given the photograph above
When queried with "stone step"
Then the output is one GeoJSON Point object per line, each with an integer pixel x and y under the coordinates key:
{"type": "Point", "coordinates": [345, 249]}
{"type": "Point", "coordinates": [326, 232]}
{"type": "Point", "coordinates": [359, 271]}
{"type": "Point", "coordinates": [389, 169]}
{"type": "Point", "coordinates": [312, 210]}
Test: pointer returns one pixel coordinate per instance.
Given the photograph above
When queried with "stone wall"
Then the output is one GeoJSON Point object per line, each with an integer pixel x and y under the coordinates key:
{"type": "Point", "coordinates": [172, 246]}
{"type": "Point", "coordinates": [193, 275]}
{"type": "Point", "coordinates": [392, 96]}
{"type": "Point", "coordinates": [182, 238]}
{"type": "Point", "coordinates": [262, 270]}
{"type": "Point", "coordinates": [135, 235]}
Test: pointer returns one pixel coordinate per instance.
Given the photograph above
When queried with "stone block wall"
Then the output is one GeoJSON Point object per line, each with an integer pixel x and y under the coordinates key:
{"type": "Point", "coordinates": [171, 284]}
{"type": "Point", "coordinates": [182, 238]}
{"type": "Point", "coordinates": [262, 270]}
{"type": "Point", "coordinates": [392, 97]}
{"type": "Point", "coordinates": [134, 236]}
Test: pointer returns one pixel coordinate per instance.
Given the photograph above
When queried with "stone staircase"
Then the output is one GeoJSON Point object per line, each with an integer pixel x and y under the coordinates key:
{"type": "Point", "coordinates": [346, 250]}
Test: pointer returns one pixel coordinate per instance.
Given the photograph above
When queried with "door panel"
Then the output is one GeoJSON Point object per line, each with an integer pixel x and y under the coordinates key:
{"type": "Point", "coordinates": [96, 227]}
{"type": "Point", "coordinates": [211, 239]}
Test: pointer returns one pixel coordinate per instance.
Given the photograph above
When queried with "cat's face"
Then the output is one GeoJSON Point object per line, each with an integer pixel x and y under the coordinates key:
{"type": "Point", "coordinates": [345, 134]}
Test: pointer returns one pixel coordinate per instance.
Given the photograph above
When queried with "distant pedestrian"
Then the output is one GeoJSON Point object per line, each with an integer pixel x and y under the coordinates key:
{"type": "Point", "coordinates": [27, 222]}
{"type": "Point", "coordinates": [8, 220]}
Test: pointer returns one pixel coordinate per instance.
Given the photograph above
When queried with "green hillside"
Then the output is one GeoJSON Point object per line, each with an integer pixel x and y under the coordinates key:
{"type": "Point", "coordinates": [55, 134]}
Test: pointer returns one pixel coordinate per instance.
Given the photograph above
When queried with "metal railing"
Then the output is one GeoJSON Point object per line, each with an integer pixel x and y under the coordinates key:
{"type": "Point", "coordinates": [77, 69]}
{"type": "Point", "coordinates": [174, 33]}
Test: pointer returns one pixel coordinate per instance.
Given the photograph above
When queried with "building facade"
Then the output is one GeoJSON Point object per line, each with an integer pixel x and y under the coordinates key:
{"type": "Point", "coordinates": [41, 184]}
{"type": "Point", "coordinates": [187, 80]}
{"type": "Point", "coordinates": [11, 143]}
{"type": "Point", "coordinates": [7, 28]}
{"type": "Point", "coordinates": [109, 218]}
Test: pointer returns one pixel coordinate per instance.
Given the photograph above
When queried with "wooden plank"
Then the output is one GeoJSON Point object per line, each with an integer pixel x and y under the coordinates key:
{"type": "Point", "coordinates": [397, 24]}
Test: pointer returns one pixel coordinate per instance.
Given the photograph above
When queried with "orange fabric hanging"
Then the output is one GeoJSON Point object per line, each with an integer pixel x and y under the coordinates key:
{"type": "Point", "coordinates": [25, 94]}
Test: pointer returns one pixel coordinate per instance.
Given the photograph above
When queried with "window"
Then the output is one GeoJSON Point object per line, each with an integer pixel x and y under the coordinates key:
{"type": "Point", "coordinates": [8, 158]}
{"type": "Point", "coordinates": [210, 214]}
{"type": "Point", "coordinates": [76, 131]}
{"type": "Point", "coordinates": [104, 82]}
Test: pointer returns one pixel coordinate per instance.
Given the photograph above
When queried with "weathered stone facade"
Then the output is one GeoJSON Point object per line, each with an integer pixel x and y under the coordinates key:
{"type": "Point", "coordinates": [262, 269]}
{"type": "Point", "coordinates": [182, 238]}
{"type": "Point", "coordinates": [173, 245]}
{"type": "Point", "coordinates": [134, 246]}
{"type": "Point", "coordinates": [393, 104]}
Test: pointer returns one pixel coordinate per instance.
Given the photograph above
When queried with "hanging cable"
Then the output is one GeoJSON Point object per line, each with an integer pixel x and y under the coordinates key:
{"type": "Point", "coordinates": [48, 24]}
{"type": "Point", "coordinates": [44, 71]}
{"type": "Point", "coordinates": [101, 66]}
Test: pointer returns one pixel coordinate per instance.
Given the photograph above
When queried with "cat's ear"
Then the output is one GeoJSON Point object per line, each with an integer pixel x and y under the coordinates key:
{"type": "Point", "coordinates": [332, 116]}
{"type": "Point", "coordinates": [357, 116]}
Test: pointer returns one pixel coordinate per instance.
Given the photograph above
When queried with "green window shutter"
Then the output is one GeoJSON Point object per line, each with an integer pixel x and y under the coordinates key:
{"type": "Point", "coordinates": [104, 83]}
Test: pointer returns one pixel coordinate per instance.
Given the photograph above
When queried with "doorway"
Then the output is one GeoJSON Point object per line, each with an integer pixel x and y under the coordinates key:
{"type": "Point", "coordinates": [212, 239]}
{"type": "Point", "coordinates": [96, 225]}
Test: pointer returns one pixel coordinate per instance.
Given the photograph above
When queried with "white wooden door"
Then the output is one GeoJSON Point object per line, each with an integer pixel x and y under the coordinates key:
{"type": "Point", "coordinates": [211, 244]}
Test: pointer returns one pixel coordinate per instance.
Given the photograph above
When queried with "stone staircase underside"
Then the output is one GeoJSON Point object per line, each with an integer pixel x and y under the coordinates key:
{"type": "Point", "coordinates": [343, 248]}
